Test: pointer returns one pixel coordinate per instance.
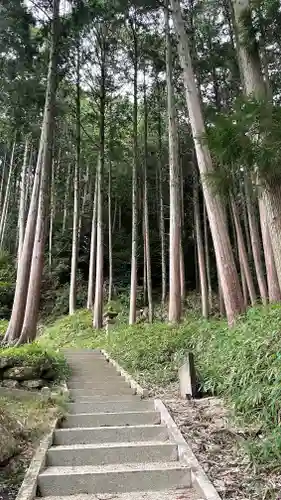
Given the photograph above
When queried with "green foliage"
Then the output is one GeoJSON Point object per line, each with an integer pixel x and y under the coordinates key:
{"type": "Point", "coordinates": [36, 355]}
{"type": "Point", "coordinates": [242, 364]}
{"type": "Point", "coordinates": [7, 284]}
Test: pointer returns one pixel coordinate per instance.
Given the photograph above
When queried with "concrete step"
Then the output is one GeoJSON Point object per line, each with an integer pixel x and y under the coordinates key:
{"type": "Point", "coordinates": [175, 494]}
{"type": "Point", "coordinates": [90, 378]}
{"type": "Point", "coordinates": [113, 478]}
{"type": "Point", "coordinates": [110, 434]}
{"type": "Point", "coordinates": [111, 453]}
{"type": "Point", "coordinates": [104, 399]}
{"type": "Point", "coordinates": [99, 385]}
{"type": "Point", "coordinates": [111, 406]}
{"type": "Point", "coordinates": [111, 419]}
{"type": "Point", "coordinates": [100, 390]}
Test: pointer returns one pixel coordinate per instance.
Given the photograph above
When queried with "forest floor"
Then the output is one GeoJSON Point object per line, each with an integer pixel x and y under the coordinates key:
{"type": "Point", "coordinates": [219, 445]}
{"type": "Point", "coordinates": [22, 424]}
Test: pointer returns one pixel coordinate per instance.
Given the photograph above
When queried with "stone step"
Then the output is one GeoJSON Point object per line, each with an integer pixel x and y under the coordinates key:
{"type": "Point", "coordinates": [175, 494]}
{"type": "Point", "coordinates": [104, 399]}
{"type": "Point", "coordinates": [111, 453]}
{"type": "Point", "coordinates": [111, 406]}
{"type": "Point", "coordinates": [110, 434]}
{"type": "Point", "coordinates": [111, 419]}
{"type": "Point", "coordinates": [101, 390]}
{"type": "Point", "coordinates": [95, 384]}
{"type": "Point", "coordinates": [113, 478]}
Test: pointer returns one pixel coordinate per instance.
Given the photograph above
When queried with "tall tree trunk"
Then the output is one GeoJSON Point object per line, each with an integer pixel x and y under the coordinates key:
{"type": "Point", "coordinates": [114, 216]}
{"type": "Point", "coordinates": [134, 264]}
{"type": "Point", "coordinates": [86, 190]}
{"type": "Point", "coordinates": [146, 215]}
{"type": "Point", "coordinates": [225, 260]}
{"type": "Point", "coordinates": [243, 252]}
{"type": "Point", "coordinates": [28, 331]}
{"type": "Point", "coordinates": [256, 245]}
{"type": "Point", "coordinates": [23, 182]}
{"type": "Point", "coordinates": [66, 195]}
{"type": "Point", "coordinates": [200, 248]}
{"type": "Point", "coordinates": [274, 293]}
{"type": "Point", "coordinates": [3, 179]}
{"type": "Point", "coordinates": [4, 213]}
{"type": "Point", "coordinates": [90, 299]}
{"type": "Point", "coordinates": [98, 304]}
{"type": "Point", "coordinates": [110, 256]}
{"type": "Point", "coordinates": [161, 207]}
{"type": "Point", "coordinates": [75, 226]}
{"type": "Point", "coordinates": [175, 205]}
{"type": "Point", "coordinates": [144, 260]}
{"type": "Point", "coordinates": [207, 257]}
{"type": "Point", "coordinates": [52, 215]}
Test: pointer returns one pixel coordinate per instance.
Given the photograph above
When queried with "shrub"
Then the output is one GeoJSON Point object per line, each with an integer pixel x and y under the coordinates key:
{"type": "Point", "coordinates": [37, 357]}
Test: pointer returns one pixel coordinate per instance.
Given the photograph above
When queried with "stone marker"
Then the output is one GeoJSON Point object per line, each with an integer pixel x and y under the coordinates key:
{"type": "Point", "coordinates": [187, 378]}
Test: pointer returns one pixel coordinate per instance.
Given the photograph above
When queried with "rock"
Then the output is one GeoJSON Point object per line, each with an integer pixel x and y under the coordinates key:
{"type": "Point", "coordinates": [10, 384]}
{"type": "Point", "coordinates": [33, 384]}
{"type": "Point", "coordinates": [21, 373]}
{"type": "Point", "coordinates": [6, 362]}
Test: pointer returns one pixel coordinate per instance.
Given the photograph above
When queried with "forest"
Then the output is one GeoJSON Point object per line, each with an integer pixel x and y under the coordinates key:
{"type": "Point", "coordinates": [140, 177]}
{"type": "Point", "coordinates": [139, 156]}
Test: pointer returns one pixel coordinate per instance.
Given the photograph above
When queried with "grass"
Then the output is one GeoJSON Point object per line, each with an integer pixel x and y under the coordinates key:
{"type": "Point", "coordinates": [242, 364]}
{"type": "Point", "coordinates": [22, 423]}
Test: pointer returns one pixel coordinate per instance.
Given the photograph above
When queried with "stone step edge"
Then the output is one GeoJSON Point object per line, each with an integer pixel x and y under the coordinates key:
{"type": "Point", "coordinates": [133, 384]}
{"type": "Point", "coordinates": [105, 446]}
{"type": "Point", "coordinates": [116, 468]}
{"type": "Point", "coordinates": [112, 427]}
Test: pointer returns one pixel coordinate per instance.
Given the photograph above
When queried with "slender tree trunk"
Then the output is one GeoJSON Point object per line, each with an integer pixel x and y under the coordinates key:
{"type": "Point", "coordinates": [274, 293]}
{"type": "Point", "coordinates": [216, 213]}
{"type": "Point", "coordinates": [23, 181]}
{"type": "Point", "coordinates": [75, 227]}
{"type": "Point", "coordinates": [84, 198]}
{"type": "Point", "coordinates": [114, 216]}
{"type": "Point", "coordinates": [66, 195]}
{"type": "Point", "coordinates": [28, 331]}
{"type": "Point", "coordinates": [144, 261]}
{"type": "Point", "coordinates": [146, 215]}
{"type": "Point", "coordinates": [207, 257]}
{"type": "Point", "coordinates": [182, 267]}
{"type": "Point", "coordinates": [133, 291]}
{"type": "Point", "coordinates": [161, 210]}
{"type": "Point", "coordinates": [90, 299]}
{"type": "Point", "coordinates": [98, 304]}
{"type": "Point", "coordinates": [4, 213]}
{"type": "Point", "coordinates": [3, 179]}
{"type": "Point", "coordinates": [52, 215]}
{"type": "Point", "coordinates": [29, 177]}
{"type": "Point", "coordinates": [110, 256]}
{"type": "Point", "coordinates": [200, 249]}
{"type": "Point", "coordinates": [243, 253]}
{"type": "Point", "coordinates": [256, 245]}
{"type": "Point", "coordinates": [175, 206]}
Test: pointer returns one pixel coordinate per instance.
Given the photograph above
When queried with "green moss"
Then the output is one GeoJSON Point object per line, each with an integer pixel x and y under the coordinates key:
{"type": "Point", "coordinates": [37, 355]}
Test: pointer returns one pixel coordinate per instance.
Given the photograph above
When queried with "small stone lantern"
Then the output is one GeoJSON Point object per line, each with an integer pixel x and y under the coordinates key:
{"type": "Point", "coordinates": [109, 319]}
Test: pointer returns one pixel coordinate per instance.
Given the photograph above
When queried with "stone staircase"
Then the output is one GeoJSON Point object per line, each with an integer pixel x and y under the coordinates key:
{"type": "Point", "coordinates": [112, 444]}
